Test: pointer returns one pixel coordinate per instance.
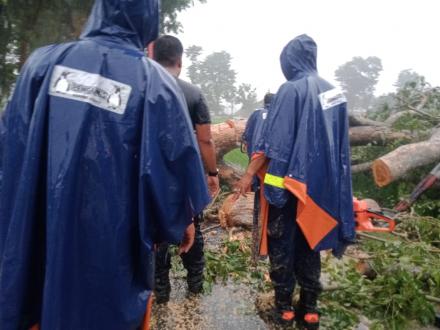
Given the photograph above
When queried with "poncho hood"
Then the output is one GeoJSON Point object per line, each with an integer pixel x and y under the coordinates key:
{"type": "Point", "coordinates": [136, 22]}
{"type": "Point", "coordinates": [298, 58]}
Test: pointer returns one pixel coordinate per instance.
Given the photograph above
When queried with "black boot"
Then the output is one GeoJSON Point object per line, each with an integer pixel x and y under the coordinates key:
{"type": "Point", "coordinates": [195, 283]}
{"type": "Point", "coordinates": [283, 313]}
{"type": "Point", "coordinates": [308, 315]}
{"type": "Point", "coordinates": [162, 286]}
{"type": "Point", "coordinates": [194, 261]}
{"type": "Point", "coordinates": [162, 290]}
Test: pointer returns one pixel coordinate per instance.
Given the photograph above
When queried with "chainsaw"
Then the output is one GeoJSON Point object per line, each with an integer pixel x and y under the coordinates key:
{"type": "Point", "coordinates": [369, 217]}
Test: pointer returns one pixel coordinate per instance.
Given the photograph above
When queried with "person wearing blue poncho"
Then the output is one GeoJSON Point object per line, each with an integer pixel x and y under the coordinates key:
{"type": "Point", "coordinates": [303, 158]}
{"type": "Point", "coordinates": [254, 125]}
{"type": "Point", "coordinates": [98, 163]}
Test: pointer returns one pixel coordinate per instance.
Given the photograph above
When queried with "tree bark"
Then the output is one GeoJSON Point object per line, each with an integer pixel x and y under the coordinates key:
{"type": "Point", "coordinates": [227, 136]}
{"type": "Point", "coordinates": [380, 136]}
{"type": "Point", "coordinates": [399, 162]}
{"type": "Point", "coordinates": [237, 213]}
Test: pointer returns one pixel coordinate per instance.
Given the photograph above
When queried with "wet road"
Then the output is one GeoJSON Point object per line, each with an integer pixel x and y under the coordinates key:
{"type": "Point", "coordinates": [227, 307]}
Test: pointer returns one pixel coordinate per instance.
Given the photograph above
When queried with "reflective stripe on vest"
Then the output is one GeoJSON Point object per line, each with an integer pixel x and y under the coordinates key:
{"type": "Point", "coordinates": [275, 181]}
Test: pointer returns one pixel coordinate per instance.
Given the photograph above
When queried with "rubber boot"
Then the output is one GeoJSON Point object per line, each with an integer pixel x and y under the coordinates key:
{"type": "Point", "coordinates": [195, 283]}
{"type": "Point", "coordinates": [162, 290]}
{"type": "Point", "coordinates": [194, 261]}
{"type": "Point", "coordinates": [162, 286]}
{"type": "Point", "coordinates": [283, 314]}
{"type": "Point", "coordinates": [308, 315]}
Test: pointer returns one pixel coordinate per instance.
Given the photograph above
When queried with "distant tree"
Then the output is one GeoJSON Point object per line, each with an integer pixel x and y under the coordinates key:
{"type": "Point", "coordinates": [193, 71]}
{"type": "Point", "coordinates": [358, 79]}
{"type": "Point", "coordinates": [215, 77]}
{"type": "Point", "coordinates": [413, 92]}
{"type": "Point", "coordinates": [247, 99]}
{"type": "Point", "coordinates": [409, 78]}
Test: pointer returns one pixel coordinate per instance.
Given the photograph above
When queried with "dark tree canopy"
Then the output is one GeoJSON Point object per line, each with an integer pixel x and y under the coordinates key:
{"type": "Point", "coordinates": [169, 11]}
{"type": "Point", "coordinates": [28, 24]}
{"type": "Point", "coordinates": [358, 79]}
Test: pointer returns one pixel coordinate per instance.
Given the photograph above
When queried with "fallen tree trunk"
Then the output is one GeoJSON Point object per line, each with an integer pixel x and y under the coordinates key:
{"type": "Point", "coordinates": [230, 175]}
{"type": "Point", "coordinates": [380, 136]}
{"type": "Point", "coordinates": [399, 162]}
{"type": "Point", "coordinates": [227, 136]}
{"type": "Point", "coordinates": [237, 213]}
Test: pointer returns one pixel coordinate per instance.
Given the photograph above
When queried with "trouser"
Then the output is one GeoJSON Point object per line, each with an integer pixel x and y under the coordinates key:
{"type": "Point", "coordinates": [193, 261]}
{"type": "Point", "coordinates": [291, 259]}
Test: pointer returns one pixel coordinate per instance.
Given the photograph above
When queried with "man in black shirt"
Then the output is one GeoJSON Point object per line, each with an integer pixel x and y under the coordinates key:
{"type": "Point", "coordinates": [168, 52]}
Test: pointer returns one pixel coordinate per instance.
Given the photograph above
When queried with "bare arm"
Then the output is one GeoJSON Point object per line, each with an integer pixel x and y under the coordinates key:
{"type": "Point", "coordinates": [207, 149]}
{"type": "Point", "coordinates": [244, 185]}
{"type": "Point", "coordinates": [207, 146]}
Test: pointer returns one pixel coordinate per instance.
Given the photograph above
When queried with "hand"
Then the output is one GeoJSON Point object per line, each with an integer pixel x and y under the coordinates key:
{"type": "Point", "coordinates": [188, 239]}
{"type": "Point", "coordinates": [244, 185]}
{"type": "Point", "coordinates": [213, 185]}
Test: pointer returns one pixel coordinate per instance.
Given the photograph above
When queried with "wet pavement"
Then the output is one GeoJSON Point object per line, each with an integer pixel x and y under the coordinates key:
{"type": "Point", "coordinates": [230, 306]}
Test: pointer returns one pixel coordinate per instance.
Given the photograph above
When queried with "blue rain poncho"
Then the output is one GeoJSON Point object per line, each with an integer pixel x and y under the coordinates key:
{"type": "Point", "coordinates": [306, 139]}
{"type": "Point", "coordinates": [253, 130]}
{"type": "Point", "coordinates": [98, 163]}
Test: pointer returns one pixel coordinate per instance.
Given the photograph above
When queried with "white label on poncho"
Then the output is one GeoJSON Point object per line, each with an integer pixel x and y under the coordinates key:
{"type": "Point", "coordinates": [332, 98]}
{"type": "Point", "coordinates": [91, 88]}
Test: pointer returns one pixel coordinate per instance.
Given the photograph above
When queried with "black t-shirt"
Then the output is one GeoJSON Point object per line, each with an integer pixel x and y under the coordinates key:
{"type": "Point", "coordinates": [198, 109]}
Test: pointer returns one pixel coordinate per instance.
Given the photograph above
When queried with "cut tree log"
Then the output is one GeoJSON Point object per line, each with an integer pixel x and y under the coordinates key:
{"type": "Point", "coordinates": [237, 213]}
{"type": "Point", "coordinates": [380, 136]}
{"type": "Point", "coordinates": [227, 136]}
{"type": "Point", "coordinates": [401, 161]}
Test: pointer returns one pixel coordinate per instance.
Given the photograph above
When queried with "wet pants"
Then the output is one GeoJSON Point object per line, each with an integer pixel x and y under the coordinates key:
{"type": "Point", "coordinates": [193, 261]}
{"type": "Point", "coordinates": [291, 259]}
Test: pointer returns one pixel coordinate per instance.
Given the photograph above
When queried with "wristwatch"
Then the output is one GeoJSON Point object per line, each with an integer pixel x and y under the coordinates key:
{"type": "Point", "coordinates": [213, 173]}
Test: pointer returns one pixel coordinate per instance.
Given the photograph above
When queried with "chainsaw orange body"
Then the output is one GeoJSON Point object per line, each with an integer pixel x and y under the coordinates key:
{"type": "Point", "coordinates": [366, 219]}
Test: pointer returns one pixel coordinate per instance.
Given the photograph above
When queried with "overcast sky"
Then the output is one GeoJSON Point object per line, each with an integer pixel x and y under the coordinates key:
{"type": "Point", "coordinates": [403, 33]}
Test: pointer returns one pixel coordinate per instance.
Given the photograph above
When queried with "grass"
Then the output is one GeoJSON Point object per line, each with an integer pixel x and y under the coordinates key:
{"type": "Point", "coordinates": [219, 119]}
{"type": "Point", "coordinates": [237, 158]}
